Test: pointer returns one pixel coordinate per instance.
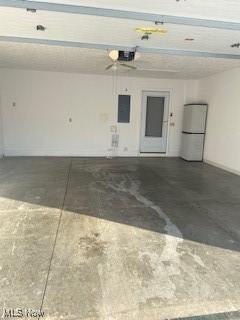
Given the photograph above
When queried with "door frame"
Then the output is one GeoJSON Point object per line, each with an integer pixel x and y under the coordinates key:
{"type": "Point", "coordinates": [155, 91]}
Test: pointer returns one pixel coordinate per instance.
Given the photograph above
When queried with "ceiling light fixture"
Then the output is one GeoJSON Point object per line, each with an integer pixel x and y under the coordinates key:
{"type": "Point", "coordinates": [151, 30]}
{"type": "Point", "coordinates": [137, 55]}
{"type": "Point", "coordinates": [114, 55]}
{"type": "Point", "coordinates": [40, 27]}
{"type": "Point", "coordinates": [114, 67]}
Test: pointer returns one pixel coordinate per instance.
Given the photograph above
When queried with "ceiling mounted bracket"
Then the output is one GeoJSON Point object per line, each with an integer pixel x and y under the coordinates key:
{"type": "Point", "coordinates": [120, 14]}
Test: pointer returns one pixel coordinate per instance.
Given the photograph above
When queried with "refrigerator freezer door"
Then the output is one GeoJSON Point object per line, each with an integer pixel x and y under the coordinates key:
{"type": "Point", "coordinates": [194, 118]}
{"type": "Point", "coordinates": [192, 147]}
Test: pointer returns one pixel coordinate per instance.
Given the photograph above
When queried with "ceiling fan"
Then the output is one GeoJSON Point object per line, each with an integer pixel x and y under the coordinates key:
{"type": "Point", "coordinates": [119, 58]}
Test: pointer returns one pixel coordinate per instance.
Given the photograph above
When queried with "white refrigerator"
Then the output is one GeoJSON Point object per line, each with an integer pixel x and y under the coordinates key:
{"type": "Point", "coordinates": [193, 132]}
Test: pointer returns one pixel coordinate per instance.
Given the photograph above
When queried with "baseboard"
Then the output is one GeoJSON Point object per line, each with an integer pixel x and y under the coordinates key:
{"type": "Point", "coordinates": [151, 155]}
{"type": "Point", "coordinates": [12, 152]}
{"type": "Point", "coordinates": [24, 152]}
{"type": "Point", "coordinates": [9, 152]}
{"type": "Point", "coordinates": [220, 166]}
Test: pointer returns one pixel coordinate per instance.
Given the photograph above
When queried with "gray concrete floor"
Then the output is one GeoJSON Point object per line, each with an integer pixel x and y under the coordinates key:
{"type": "Point", "coordinates": [118, 239]}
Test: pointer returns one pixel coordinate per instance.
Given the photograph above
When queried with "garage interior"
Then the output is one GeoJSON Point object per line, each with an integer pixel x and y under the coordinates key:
{"type": "Point", "coordinates": [102, 217]}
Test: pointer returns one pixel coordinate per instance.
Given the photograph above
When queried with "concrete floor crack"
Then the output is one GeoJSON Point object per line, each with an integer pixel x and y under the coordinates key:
{"type": "Point", "coordinates": [57, 231]}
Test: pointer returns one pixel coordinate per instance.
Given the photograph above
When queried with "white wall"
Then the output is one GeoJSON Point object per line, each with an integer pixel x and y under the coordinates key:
{"type": "Point", "coordinates": [222, 93]}
{"type": "Point", "coordinates": [1, 130]}
{"type": "Point", "coordinates": [39, 124]}
{"type": "Point", "coordinates": [191, 91]}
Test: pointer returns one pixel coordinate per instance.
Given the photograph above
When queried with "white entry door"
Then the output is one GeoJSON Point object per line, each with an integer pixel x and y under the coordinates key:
{"type": "Point", "coordinates": [154, 128]}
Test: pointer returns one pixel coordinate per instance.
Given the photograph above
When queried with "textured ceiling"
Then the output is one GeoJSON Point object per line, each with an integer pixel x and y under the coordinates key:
{"type": "Point", "coordinates": [92, 29]}
{"type": "Point", "coordinates": [51, 58]}
{"type": "Point", "coordinates": [228, 10]}
{"type": "Point", "coordinates": [121, 32]}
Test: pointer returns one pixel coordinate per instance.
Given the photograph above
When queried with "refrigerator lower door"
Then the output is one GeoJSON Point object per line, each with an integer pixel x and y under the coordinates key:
{"type": "Point", "coordinates": [192, 147]}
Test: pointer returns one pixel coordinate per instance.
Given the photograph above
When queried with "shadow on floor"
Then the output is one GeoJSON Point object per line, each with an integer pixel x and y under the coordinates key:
{"type": "Point", "coordinates": [193, 201]}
